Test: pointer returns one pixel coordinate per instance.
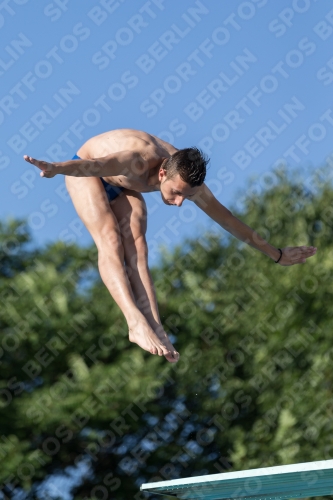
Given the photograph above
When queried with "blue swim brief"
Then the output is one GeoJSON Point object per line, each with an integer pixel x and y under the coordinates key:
{"type": "Point", "coordinates": [111, 191]}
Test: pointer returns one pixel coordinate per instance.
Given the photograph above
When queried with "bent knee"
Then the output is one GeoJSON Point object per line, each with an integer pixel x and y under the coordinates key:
{"type": "Point", "coordinates": [137, 250]}
{"type": "Point", "coordinates": [108, 238]}
{"type": "Point", "coordinates": [140, 243]}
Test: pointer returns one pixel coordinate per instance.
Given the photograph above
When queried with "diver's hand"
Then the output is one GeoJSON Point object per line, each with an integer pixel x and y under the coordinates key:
{"type": "Point", "coordinates": [48, 170]}
{"type": "Point", "coordinates": [296, 255]}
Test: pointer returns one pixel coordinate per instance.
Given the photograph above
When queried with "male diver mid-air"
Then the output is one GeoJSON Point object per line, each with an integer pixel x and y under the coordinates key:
{"type": "Point", "coordinates": [105, 180]}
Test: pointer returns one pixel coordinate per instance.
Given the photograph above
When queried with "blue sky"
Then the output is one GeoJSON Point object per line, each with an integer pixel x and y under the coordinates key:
{"type": "Point", "coordinates": [250, 82]}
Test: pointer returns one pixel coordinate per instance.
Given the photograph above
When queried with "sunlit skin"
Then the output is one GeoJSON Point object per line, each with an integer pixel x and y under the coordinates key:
{"type": "Point", "coordinates": [135, 161]}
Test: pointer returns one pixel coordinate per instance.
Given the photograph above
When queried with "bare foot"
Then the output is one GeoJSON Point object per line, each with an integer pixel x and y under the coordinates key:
{"type": "Point", "coordinates": [47, 169]}
{"type": "Point", "coordinates": [155, 343]}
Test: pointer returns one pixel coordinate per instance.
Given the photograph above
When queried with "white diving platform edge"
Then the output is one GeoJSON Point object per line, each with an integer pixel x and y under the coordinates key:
{"type": "Point", "coordinates": [284, 481]}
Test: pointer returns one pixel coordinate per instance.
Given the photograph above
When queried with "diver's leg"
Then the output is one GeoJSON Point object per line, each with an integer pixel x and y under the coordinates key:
{"type": "Point", "coordinates": [131, 212]}
{"type": "Point", "coordinates": [93, 208]}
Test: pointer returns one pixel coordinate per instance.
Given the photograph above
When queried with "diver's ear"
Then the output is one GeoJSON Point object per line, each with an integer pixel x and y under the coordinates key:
{"type": "Point", "coordinates": [162, 173]}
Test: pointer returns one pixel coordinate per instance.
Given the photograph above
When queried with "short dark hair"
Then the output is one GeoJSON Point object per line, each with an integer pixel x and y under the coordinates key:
{"type": "Point", "coordinates": [190, 164]}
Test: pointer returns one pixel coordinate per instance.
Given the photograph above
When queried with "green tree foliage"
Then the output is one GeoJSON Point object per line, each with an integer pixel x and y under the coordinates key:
{"type": "Point", "coordinates": [253, 387]}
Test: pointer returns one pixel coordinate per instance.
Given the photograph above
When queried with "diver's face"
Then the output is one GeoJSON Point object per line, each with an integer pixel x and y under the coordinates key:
{"type": "Point", "coordinates": [174, 190]}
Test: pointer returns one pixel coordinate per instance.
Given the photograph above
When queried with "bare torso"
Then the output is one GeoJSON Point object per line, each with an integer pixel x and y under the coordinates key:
{"type": "Point", "coordinates": [152, 149]}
